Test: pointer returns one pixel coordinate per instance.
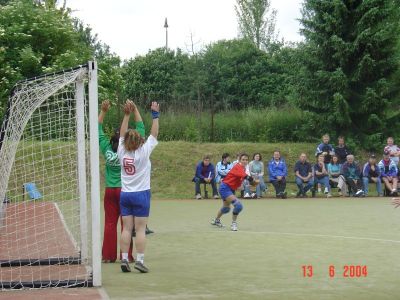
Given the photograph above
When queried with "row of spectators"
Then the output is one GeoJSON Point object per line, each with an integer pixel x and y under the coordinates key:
{"type": "Point", "coordinates": [335, 167]}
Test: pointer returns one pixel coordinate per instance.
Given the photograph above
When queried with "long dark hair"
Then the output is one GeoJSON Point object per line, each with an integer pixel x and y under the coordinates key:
{"type": "Point", "coordinates": [114, 140]}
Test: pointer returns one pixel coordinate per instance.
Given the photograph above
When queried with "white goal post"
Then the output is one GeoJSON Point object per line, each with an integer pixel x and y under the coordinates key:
{"type": "Point", "coordinates": [49, 182]}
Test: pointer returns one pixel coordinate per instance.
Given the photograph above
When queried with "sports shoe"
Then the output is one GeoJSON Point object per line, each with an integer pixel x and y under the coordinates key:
{"type": "Point", "coordinates": [359, 193]}
{"type": "Point", "coordinates": [326, 191]}
{"type": "Point", "coordinates": [234, 226]}
{"type": "Point", "coordinates": [198, 196]}
{"type": "Point", "coordinates": [217, 222]}
{"type": "Point", "coordinates": [216, 197]}
{"type": "Point", "coordinates": [253, 196]}
{"type": "Point", "coordinates": [149, 231]}
{"type": "Point", "coordinates": [247, 196]}
{"type": "Point", "coordinates": [328, 195]}
{"type": "Point", "coordinates": [125, 266]}
{"type": "Point", "coordinates": [140, 267]}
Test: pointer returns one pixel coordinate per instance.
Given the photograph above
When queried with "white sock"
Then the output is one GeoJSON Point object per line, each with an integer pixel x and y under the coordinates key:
{"type": "Point", "coordinates": [125, 256]}
{"type": "Point", "coordinates": [140, 257]}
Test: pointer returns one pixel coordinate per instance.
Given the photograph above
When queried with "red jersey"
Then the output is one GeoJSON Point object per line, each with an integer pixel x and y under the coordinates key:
{"type": "Point", "coordinates": [235, 177]}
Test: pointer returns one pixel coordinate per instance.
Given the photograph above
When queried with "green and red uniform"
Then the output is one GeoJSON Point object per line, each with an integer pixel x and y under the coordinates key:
{"type": "Point", "coordinates": [112, 195]}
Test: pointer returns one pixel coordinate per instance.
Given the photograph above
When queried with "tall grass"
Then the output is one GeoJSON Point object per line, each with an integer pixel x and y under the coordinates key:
{"type": "Point", "coordinates": [251, 125]}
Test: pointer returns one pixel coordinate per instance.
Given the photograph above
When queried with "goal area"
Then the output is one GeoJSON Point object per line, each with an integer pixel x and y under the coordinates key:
{"type": "Point", "coordinates": [49, 183]}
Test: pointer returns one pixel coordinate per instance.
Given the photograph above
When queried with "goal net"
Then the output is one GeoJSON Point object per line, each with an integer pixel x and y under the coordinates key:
{"type": "Point", "coordinates": [49, 183]}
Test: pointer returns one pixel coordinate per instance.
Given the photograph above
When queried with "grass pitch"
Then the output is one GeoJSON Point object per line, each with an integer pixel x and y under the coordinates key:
{"type": "Point", "coordinates": [190, 259]}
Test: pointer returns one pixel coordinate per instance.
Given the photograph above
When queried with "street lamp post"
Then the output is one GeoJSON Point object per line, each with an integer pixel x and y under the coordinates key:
{"type": "Point", "coordinates": [166, 34]}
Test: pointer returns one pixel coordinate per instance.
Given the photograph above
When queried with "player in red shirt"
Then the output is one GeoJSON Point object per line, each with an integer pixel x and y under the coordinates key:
{"type": "Point", "coordinates": [232, 181]}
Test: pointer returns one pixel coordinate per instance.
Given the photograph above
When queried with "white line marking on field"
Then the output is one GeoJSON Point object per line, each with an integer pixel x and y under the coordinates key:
{"type": "Point", "coordinates": [219, 230]}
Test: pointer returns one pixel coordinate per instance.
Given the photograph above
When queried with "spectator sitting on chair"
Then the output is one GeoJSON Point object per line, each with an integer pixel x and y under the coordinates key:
{"type": "Point", "coordinates": [205, 173]}
{"type": "Point", "coordinates": [388, 170]}
{"type": "Point", "coordinates": [352, 174]}
{"type": "Point", "coordinates": [341, 150]}
{"type": "Point", "coordinates": [334, 175]}
{"type": "Point", "coordinates": [223, 167]}
{"type": "Point", "coordinates": [304, 177]}
{"type": "Point", "coordinates": [321, 175]}
{"type": "Point", "coordinates": [277, 174]}
{"type": "Point", "coordinates": [256, 168]}
{"type": "Point", "coordinates": [325, 149]}
{"type": "Point", "coordinates": [372, 174]}
{"type": "Point", "coordinates": [393, 150]}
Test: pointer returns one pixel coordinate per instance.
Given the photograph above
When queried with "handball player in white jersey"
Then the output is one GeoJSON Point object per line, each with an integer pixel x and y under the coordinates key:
{"type": "Point", "coordinates": [134, 155]}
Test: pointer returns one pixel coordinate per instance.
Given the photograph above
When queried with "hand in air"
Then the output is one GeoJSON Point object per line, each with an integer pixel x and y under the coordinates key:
{"type": "Point", "coordinates": [105, 105]}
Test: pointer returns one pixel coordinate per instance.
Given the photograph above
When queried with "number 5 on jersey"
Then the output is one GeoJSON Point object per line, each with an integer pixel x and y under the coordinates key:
{"type": "Point", "coordinates": [129, 167]}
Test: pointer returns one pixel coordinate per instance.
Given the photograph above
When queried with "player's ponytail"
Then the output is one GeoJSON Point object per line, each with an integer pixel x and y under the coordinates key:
{"type": "Point", "coordinates": [133, 140]}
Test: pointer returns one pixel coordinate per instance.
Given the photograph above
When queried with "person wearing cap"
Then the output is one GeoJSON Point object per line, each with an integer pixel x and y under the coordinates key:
{"type": "Point", "coordinates": [394, 150]}
{"type": "Point", "coordinates": [388, 171]}
{"type": "Point", "coordinates": [352, 174]}
{"type": "Point", "coordinates": [372, 174]}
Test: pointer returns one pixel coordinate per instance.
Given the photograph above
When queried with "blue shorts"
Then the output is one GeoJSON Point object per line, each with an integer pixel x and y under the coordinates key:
{"type": "Point", "coordinates": [135, 204]}
{"type": "Point", "coordinates": [225, 191]}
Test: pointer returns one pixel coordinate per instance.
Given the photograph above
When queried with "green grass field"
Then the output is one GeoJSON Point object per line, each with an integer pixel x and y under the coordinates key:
{"type": "Point", "coordinates": [190, 259]}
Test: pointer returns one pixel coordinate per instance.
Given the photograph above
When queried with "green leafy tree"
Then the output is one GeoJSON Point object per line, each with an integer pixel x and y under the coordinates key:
{"type": "Point", "coordinates": [153, 75]}
{"type": "Point", "coordinates": [257, 22]}
{"type": "Point", "coordinates": [34, 39]}
{"type": "Point", "coordinates": [239, 75]}
{"type": "Point", "coordinates": [349, 60]}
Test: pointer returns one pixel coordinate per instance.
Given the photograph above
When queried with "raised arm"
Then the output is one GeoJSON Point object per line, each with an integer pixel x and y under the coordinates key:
{"type": "Point", "coordinates": [105, 106]}
{"type": "Point", "coordinates": [155, 112]}
{"type": "Point", "coordinates": [128, 108]}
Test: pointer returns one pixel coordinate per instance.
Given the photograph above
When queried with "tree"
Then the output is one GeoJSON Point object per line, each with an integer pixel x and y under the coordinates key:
{"type": "Point", "coordinates": [35, 39]}
{"type": "Point", "coordinates": [239, 75]}
{"type": "Point", "coordinates": [256, 22]}
{"type": "Point", "coordinates": [153, 75]}
{"type": "Point", "coordinates": [350, 58]}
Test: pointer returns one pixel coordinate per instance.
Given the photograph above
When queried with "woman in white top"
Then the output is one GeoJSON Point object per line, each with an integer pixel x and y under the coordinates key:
{"type": "Point", "coordinates": [134, 155]}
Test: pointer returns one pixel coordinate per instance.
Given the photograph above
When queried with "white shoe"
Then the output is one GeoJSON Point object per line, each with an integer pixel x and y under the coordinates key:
{"type": "Point", "coordinates": [326, 191]}
{"type": "Point", "coordinates": [247, 196]}
{"type": "Point", "coordinates": [216, 197]}
{"type": "Point", "coordinates": [198, 196]}
{"type": "Point", "coordinates": [234, 226]}
{"type": "Point", "coordinates": [359, 193]}
{"type": "Point", "coordinates": [328, 195]}
{"type": "Point", "coordinates": [217, 222]}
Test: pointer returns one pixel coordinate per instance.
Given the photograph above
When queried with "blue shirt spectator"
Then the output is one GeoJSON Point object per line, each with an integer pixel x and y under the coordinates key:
{"type": "Point", "coordinates": [325, 149]}
{"type": "Point", "coordinates": [277, 174]}
{"type": "Point", "coordinates": [205, 173]}
{"type": "Point", "coordinates": [372, 174]}
{"type": "Point", "coordinates": [223, 167]}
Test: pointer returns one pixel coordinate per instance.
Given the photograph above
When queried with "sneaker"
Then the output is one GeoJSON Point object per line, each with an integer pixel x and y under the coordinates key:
{"type": "Point", "coordinates": [217, 222]}
{"type": "Point", "coordinates": [125, 266]}
{"type": "Point", "coordinates": [394, 193]}
{"type": "Point", "coordinates": [278, 195]}
{"type": "Point", "coordinates": [326, 191]}
{"type": "Point", "coordinates": [247, 196]}
{"type": "Point", "coordinates": [149, 231]}
{"type": "Point", "coordinates": [198, 197]}
{"type": "Point", "coordinates": [234, 226]}
{"type": "Point", "coordinates": [140, 267]}
{"type": "Point", "coordinates": [359, 193]}
{"type": "Point", "coordinates": [328, 195]}
{"type": "Point", "coordinates": [253, 196]}
{"type": "Point", "coordinates": [216, 197]}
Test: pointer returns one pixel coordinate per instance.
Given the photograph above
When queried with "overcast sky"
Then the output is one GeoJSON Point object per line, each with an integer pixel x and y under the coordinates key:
{"type": "Point", "coordinates": [132, 27]}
